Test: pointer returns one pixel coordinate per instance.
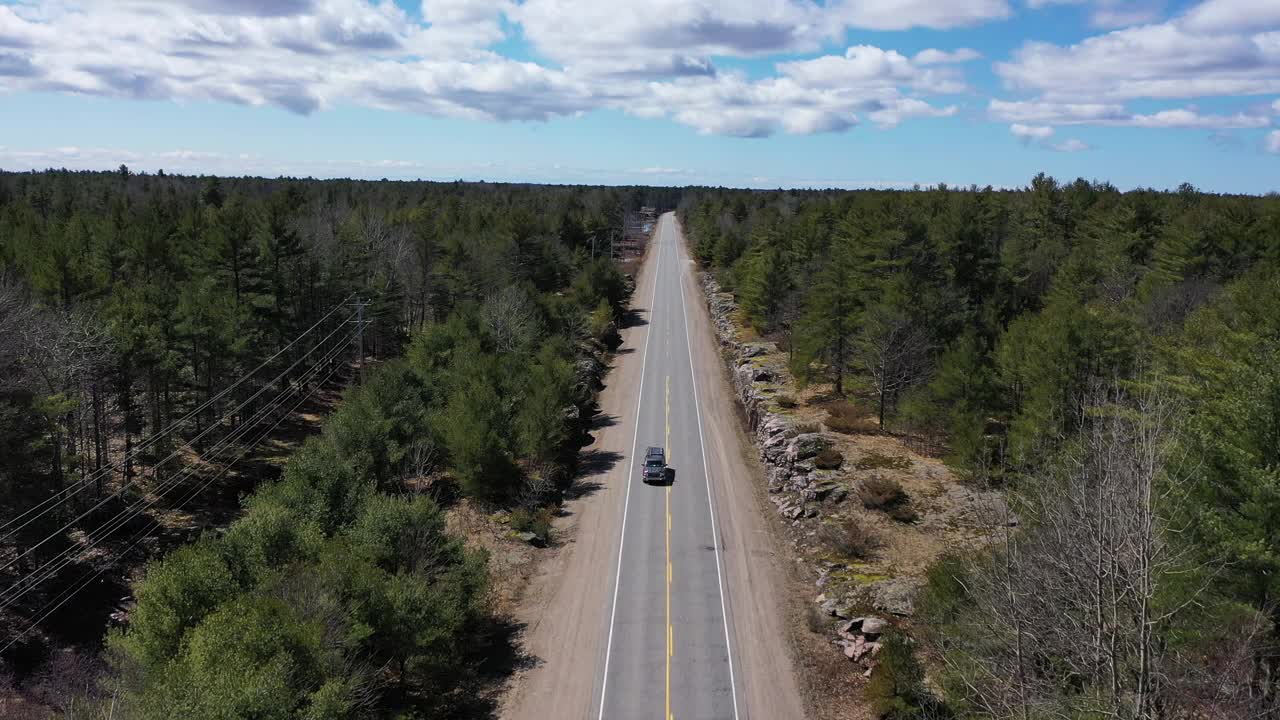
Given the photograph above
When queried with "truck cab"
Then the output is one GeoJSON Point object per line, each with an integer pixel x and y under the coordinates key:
{"type": "Point", "coordinates": [655, 465]}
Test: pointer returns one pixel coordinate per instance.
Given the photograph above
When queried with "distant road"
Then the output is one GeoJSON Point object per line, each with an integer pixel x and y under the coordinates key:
{"type": "Point", "coordinates": [666, 603]}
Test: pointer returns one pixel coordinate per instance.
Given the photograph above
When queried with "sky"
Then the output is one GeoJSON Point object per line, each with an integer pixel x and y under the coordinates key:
{"type": "Point", "coordinates": [744, 93]}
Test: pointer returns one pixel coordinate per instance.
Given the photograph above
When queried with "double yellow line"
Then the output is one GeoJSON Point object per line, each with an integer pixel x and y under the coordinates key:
{"type": "Point", "coordinates": [670, 634]}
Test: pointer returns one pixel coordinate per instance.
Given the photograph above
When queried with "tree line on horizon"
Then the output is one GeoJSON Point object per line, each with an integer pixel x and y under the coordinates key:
{"type": "Point", "coordinates": [1109, 360]}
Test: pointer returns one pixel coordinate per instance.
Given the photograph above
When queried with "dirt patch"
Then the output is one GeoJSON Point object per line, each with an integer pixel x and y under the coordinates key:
{"type": "Point", "coordinates": [511, 561]}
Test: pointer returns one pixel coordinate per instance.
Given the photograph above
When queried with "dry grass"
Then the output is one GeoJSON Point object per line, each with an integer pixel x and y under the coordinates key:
{"type": "Point", "coordinates": [877, 461]}
{"type": "Point", "coordinates": [845, 416]}
{"type": "Point", "coordinates": [887, 495]}
{"type": "Point", "coordinates": [881, 493]}
{"type": "Point", "coordinates": [850, 538]}
{"type": "Point", "coordinates": [787, 401]}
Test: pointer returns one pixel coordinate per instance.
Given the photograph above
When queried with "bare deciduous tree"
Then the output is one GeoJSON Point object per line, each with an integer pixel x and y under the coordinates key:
{"type": "Point", "coordinates": [894, 351]}
{"type": "Point", "coordinates": [1073, 617]}
{"type": "Point", "coordinates": [508, 316]}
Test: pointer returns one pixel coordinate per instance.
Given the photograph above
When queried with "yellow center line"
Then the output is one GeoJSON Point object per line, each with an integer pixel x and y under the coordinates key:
{"type": "Point", "coordinates": [669, 633]}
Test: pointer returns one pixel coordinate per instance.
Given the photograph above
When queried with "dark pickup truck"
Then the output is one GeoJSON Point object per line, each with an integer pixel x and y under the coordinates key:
{"type": "Point", "coordinates": [655, 465]}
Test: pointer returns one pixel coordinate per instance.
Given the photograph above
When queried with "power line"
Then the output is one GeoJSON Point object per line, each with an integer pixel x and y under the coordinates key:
{"type": "Point", "coordinates": [137, 537]}
{"type": "Point", "coordinates": [122, 518]}
{"type": "Point", "coordinates": [67, 493]}
{"type": "Point", "coordinates": [133, 482]}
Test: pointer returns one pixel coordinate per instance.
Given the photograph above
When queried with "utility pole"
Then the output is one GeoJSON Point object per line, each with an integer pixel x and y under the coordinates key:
{"type": "Point", "coordinates": [359, 338]}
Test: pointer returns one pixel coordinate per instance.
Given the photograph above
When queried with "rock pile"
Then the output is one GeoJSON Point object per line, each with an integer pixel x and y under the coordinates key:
{"type": "Point", "coordinates": [799, 489]}
{"type": "Point", "coordinates": [860, 640]}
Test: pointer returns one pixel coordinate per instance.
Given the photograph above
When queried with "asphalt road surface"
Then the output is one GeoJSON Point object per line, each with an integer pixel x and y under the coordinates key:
{"type": "Point", "coordinates": [666, 604]}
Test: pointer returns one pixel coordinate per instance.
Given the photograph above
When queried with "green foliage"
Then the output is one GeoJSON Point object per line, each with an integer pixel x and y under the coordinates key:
{"type": "Point", "coordinates": [599, 280]}
{"type": "Point", "coordinates": [254, 657]}
{"type": "Point", "coordinates": [537, 521]}
{"type": "Point", "coordinates": [178, 593]}
{"type": "Point", "coordinates": [896, 690]}
{"type": "Point", "coordinates": [475, 427]}
{"type": "Point", "coordinates": [549, 392]}
{"type": "Point", "coordinates": [336, 594]}
{"type": "Point", "coordinates": [318, 486]}
{"type": "Point", "coordinates": [601, 323]}
{"type": "Point", "coordinates": [403, 534]}
{"type": "Point", "coordinates": [323, 578]}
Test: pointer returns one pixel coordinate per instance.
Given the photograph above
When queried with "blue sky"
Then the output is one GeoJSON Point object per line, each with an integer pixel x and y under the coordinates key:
{"type": "Point", "coordinates": [755, 93]}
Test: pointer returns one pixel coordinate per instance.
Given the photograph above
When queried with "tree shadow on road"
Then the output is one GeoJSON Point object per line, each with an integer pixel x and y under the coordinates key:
{"type": "Point", "coordinates": [597, 462]}
{"type": "Point", "coordinates": [633, 318]}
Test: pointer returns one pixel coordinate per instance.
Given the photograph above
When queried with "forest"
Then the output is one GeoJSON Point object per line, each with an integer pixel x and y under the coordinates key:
{"type": "Point", "coordinates": [1109, 360]}
{"type": "Point", "coordinates": [154, 329]}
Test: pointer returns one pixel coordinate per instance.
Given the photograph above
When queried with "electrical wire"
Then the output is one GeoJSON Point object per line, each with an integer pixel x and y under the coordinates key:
{"type": "Point", "coordinates": [67, 493]}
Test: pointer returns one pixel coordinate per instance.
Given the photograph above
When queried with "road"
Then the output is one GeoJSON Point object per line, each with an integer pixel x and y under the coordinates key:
{"type": "Point", "coordinates": [666, 603]}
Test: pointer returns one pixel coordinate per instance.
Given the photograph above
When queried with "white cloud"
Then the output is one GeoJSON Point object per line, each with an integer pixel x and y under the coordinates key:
{"type": "Point", "coordinates": [1234, 15]}
{"type": "Point", "coordinates": [1071, 145]}
{"type": "Point", "coordinates": [1031, 132]}
{"type": "Point", "coordinates": [1273, 141]}
{"type": "Point", "coordinates": [1276, 106]}
{"type": "Point", "coordinates": [660, 171]}
{"type": "Point", "coordinates": [864, 65]}
{"type": "Point", "coordinates": [1112, 13]}
{"type": "Point", "coordinates": [933, 56]}
{"type": "Point", "coordinates": [1041, 134]}
{"type": "Point", "coordinates": [1115, 114]}
{"type": "Point", "coordinates": [906, 14]}
{"type": "Point", "coordinates": [650, 59]}
{"type": "Point", "coordinates": [1186, 57]}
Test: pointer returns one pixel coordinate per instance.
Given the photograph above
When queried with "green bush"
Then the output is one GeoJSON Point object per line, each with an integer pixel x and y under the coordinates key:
{"type": "Point", "coordinates": [601, 324]}
{"type": "Point", "coordinates": [896, 690]}
{"type": "Point", "coordinates": [536, 521]}
{"type": "Point", "coordinates": [787, 401]}
{"type": "Point", "coordinates": [177, 594]}
{"type": "Point", "coordinates": [945, 594]}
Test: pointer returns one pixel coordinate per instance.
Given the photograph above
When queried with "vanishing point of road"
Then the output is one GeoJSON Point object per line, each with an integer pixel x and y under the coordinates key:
{"type": "Point", "coordinates": [666, 603]}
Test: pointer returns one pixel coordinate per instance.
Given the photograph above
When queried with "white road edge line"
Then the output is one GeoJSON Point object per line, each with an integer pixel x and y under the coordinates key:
{"type": "Point", "coordinates": [706, 475]}
{"type": "Point", "coordinates": [617, 580]}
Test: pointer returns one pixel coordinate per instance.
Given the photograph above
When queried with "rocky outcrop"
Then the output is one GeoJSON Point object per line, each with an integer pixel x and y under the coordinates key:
{"type": "Point", "coordinates": [800, 491]}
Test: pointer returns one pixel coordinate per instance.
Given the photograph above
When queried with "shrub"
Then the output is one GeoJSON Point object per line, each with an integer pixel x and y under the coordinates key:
{"type": "Point", "coordinates": [537, 521]}
{"type": "Point", "coordinates": [816, 620]}
{"type": "Point", "coordinates": [601, 324]}
{"type": "Point", "coordinates": [848, 418]}
{"type": "Point", "coordinates": [945, 594]}
{"type": "Point", "coordinates": [809, 427]}
{"type": "Point", "coordinates": [904, 513]}
{"type": "Point", "coordinates": [828, 459]}
{"type": "Point", "coordinates": [850, 538]}
{"type": "Point", "coordinates": [896, 690]}
{"type": "Point", "coordinates": [787, 401]}
{"type": "Point", "coordinates": [881, 493]}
